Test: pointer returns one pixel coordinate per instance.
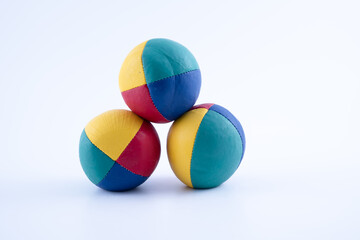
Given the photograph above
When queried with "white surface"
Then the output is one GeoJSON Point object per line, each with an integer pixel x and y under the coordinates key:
{"type": "Point", "coordinates": [289, 71]}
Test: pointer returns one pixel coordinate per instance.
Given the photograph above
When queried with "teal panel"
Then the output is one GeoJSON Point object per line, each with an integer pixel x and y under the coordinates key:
{"type": "Point", "coordinates": [163, 58]}
{"type": "Point", "coordinates": [217, 151]}
{"type": "Point", "coordinates": [95, 163]}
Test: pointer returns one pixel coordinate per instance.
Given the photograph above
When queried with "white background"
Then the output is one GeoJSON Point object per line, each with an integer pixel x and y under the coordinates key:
{"type": "Point", "coordinates": [288, 70]}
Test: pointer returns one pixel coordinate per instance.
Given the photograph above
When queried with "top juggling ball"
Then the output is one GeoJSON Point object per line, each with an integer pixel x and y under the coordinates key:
{"type": "Point", "coordinates": [160, 80]}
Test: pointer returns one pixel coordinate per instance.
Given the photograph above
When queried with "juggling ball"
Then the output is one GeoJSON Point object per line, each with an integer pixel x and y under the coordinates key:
{"type": "Point", "coordinates": [119, 150]}
{"type": "Point", "coordinates": [205, 146]}
{"type": "Point", "coordinates": [160, 80]}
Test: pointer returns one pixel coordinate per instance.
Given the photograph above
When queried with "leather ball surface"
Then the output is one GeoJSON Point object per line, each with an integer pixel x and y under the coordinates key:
{"type": "Point", "coordinates": [119, 150]}
{"type": "Point", "coordinates": [205, 146]}
{"type": "Point", "coordinates": [160, 80]}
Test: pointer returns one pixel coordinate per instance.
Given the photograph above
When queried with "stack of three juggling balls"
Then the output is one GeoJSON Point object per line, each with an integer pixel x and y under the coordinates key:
{"type": "Point", "coordinates": [160, 82]}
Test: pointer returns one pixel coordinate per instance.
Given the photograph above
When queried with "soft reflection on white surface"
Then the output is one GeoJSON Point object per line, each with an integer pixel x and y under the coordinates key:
{"type": "Point", "coordinates": [244, 207]}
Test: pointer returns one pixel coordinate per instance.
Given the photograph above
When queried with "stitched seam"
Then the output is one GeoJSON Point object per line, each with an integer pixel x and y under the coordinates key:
{"type": "Point", "coordinates": [129, 170]}
{"type": "Point", "coordinates": [159, 79]}
{"type": "Point", "coordinates": [106, 155]}
{"type": "Point", "coordinates": [106, 174]}
{"type": "Point", "coordinates": [105, 152]}
{"type": "Point", "coordinates": [112, 168]}
{"type": "Point", "coordinates": [242, 140]}
{"type": "Point", "coordinates": [122, 167]}
{"type": "Point", "coordinates": [98, 147]}
{"type": "Point", "coordinates": [152, 101]}
{"type": "Point", "coordinates": [125, 149]}
{"type": "Point", "coordinates": [192, 151]}
{"type": "Point", "coordinates": [173, 75]}
{"type": "Point", "coordinates": [134, 88]}
{"type": "Point", "coordinates": [118, 157]}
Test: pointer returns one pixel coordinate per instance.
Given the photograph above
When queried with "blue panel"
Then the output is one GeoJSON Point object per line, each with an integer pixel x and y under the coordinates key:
{"type": "Point", "coordinates": [175, 95]}
{"type": "Point", "coordinates": [233, 120]}
{"type": "Point", "coordinates": [163, 58]}
{"type": "Point", "coordinates": [121, 179]}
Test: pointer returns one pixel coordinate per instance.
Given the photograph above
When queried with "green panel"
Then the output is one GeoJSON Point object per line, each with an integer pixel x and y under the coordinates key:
{"type": "Point", "coordinates": [95, 163]}
{"type": "Point", "coordinates": [217, 151]}
{"type": "Point", "coordinates": [163, 58]}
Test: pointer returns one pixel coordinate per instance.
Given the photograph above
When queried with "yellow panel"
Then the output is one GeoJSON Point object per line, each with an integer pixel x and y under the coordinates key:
{"type": "Point", "coordinates": [113, 130]}
{"type": "Point", "coordinates": [180, 143]}
{"type": "Point", "coordinates": [132, 72]}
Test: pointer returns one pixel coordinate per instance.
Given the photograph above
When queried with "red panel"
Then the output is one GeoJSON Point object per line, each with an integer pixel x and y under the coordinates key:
{"type": "Point", "coordinates": [142, 154]}
{"type": "Point", "coordinates": [139, 101]}
{"type": "Point", "coordinates": [204, 105]}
